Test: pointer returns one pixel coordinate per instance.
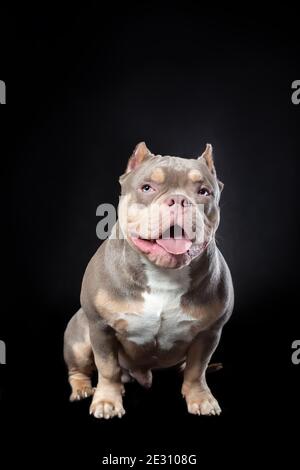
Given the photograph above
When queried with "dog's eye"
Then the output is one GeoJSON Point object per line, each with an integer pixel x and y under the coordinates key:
{"type": "Point", "coordinates": [146, 188]}
{"type": "Point", "coordinates": [204, 191]}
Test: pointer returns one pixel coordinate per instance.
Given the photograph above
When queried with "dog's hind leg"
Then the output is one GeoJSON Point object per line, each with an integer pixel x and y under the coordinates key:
{"type": "Point", "coordinates": [79, 356]}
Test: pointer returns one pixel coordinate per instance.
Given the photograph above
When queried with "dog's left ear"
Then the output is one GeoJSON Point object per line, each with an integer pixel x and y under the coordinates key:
{"type": "Point", "coordinates": [207, 157]}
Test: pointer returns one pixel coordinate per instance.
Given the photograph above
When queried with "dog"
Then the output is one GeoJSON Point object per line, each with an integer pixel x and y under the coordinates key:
{"type": "Point", "coordinates": [158, 291]}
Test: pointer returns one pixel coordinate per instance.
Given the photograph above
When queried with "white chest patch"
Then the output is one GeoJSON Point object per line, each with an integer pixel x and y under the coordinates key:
{"type": "Point", "coordinates": [162, 320]}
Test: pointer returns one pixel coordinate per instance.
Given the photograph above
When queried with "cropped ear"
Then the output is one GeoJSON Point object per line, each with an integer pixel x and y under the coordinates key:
{"type": "Point", "coordinates": [207, 157]}
{"type": "Point", "coordinates": [139, 154]}
{"type": "Point", "coordinates": [221, 185]}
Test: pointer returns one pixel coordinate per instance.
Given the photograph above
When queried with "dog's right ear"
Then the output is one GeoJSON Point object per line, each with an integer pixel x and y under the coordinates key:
{"type": "Point", "coordinates": [140, 152]}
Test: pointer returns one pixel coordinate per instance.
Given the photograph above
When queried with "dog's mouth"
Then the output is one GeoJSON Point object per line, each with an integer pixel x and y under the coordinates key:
{"type": "Point", "coordinates": [174, 241]}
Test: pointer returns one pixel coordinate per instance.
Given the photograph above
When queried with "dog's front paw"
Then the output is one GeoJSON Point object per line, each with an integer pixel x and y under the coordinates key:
{"type": "Point", "coordinates": [200, 402]}
{"type": "Point", "coordinates": [107, 403]}
{"type": "Point", "coordinates": [80, 393]}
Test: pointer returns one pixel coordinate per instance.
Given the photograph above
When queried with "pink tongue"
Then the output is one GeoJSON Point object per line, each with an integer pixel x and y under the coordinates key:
{"type": "Point", "coordinates": [176, 246]}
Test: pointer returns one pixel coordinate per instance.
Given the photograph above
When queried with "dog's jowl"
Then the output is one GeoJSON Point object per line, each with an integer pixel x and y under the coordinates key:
{"type": "Point", "coordinates": [158, 291]}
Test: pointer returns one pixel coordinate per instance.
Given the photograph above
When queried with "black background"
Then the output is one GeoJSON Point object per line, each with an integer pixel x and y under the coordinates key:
{"type": "Point", "coordinates": [84, 85]}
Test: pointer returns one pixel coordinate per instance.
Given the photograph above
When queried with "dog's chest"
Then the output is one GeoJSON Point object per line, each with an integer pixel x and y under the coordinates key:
{"type": "Point", "coordinates": [162, 321]}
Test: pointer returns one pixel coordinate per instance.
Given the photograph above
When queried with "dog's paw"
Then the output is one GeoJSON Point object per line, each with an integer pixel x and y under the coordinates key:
{"type": "Point", "coordinates": [107, 409]}
{"type": "Point", "coordinates": [202, 402]}
{"type": "Point", "coordinates": [81, 392]}
{"type": "Point", "coordinates": [107, 403]}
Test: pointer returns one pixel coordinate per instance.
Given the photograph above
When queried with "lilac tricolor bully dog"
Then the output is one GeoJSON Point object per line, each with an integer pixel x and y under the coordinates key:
{"type": "Point", "coordinates": [158, 291]}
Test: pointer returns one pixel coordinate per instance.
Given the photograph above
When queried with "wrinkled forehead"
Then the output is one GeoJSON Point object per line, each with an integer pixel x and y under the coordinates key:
{"type": "Point", "coordinates": [172, 172]}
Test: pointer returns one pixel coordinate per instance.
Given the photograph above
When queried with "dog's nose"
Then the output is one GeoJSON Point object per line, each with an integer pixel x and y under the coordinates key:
{"type": "Point", "coordinates": [178, 199]}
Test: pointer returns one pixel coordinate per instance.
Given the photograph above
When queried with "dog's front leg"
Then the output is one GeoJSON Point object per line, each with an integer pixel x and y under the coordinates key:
{"type": "Point", "coordinates": [198, 396]}
{"type": "Point", "coordinates": [107, 400]}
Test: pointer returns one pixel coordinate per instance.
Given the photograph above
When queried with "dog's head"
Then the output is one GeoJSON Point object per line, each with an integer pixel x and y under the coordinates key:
{"type": "Point", "coordinates": [169, 206]}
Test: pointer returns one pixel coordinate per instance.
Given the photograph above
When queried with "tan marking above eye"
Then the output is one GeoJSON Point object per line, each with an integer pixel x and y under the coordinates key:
{"type": "Point", "coordinates": [158, 175]}
{"type": "Point", "coordinates": [195, 176]}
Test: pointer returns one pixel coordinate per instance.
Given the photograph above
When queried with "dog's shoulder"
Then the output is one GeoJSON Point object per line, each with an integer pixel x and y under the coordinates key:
{"type": "Point", "coordinates": [210, 297]}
